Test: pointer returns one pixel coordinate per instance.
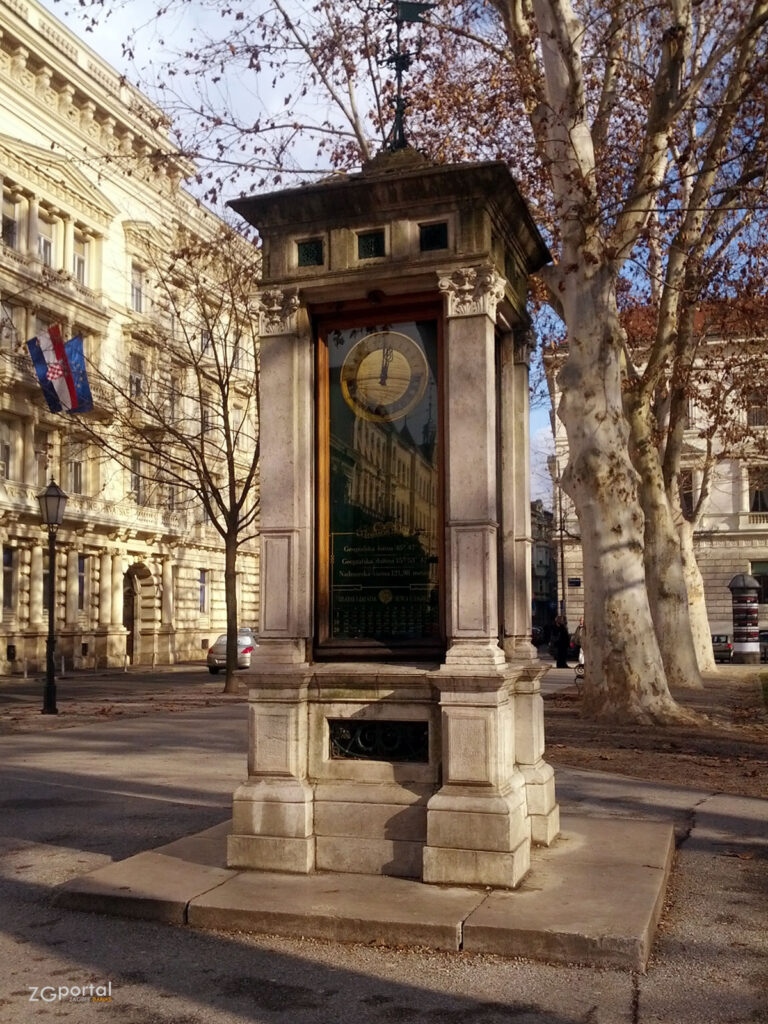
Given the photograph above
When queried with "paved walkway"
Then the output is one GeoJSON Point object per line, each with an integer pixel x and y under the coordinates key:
{"type": "Point", "coordinates": [75, 800]}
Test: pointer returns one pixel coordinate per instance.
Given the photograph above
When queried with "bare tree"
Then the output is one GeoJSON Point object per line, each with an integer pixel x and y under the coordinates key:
{"type": "Point", "coordinates": [639, 134]}
{"type": "Point", "coordinates": [182, 410]}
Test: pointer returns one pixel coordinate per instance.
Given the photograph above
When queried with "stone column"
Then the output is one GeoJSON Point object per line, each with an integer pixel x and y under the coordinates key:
{"type": "Point", "coordinates": [472, 515]}
{"type": "Point", "coordinates": [287, 419]}
{"type": "Point", "coordinates": [272, 814]}
{"type": "Point", "coordinates": [70, 604]}
{"type": "Point", "coordinates": [105, 589]}
{"type": "Point", "coordinates": [516, 348]}
{"type": "Point", "coordinates": [166, 611]}
{"type": "Point", "coordinates": [67, 234]}
{"type": "Point", "coordinates": [32, 216]}
{"type": "Point", "coordinates": [36, 587]}
{"type": "Point", "coordinates": [117, 589]}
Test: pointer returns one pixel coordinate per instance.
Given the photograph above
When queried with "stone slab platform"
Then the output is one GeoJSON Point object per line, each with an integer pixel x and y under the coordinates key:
{"type": "Point", "coordinates": [594, 896]}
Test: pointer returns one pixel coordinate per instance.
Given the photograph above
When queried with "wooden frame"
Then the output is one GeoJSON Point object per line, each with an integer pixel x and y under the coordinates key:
{"type": "Point", "coordinates": [344, 316]}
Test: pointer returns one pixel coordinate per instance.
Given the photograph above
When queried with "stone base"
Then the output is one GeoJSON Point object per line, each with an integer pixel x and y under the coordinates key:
{"type": "Point", "coordinates": [272, 827]}
{"type": "Point", "coordinates": [374, 829]}
{"type": "Point", "coordinates": [109, 647]}
{"type": "Point", "coordinates": [278, 652]}
{"type": "Point", "coordinates": [477, 867]}
{"type": "Point", "coordinates": [545, 828]}
{"type": "Point", "coordinates": [271, 853]}
{"type": "Point", "coordinates": [474, 655]}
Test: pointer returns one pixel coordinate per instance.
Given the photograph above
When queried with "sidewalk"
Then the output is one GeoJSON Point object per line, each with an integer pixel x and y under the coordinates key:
{"type": "Point", "coordinates": [85, 800]}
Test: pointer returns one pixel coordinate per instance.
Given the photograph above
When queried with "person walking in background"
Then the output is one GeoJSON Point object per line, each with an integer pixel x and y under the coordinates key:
{"type": "Point", "coordinates": [578, 640]}
{"type": "Point", "coordinates": [562, 642]}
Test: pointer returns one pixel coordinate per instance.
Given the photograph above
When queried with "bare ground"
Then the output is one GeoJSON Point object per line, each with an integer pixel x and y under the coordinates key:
{"type": "Point", "coordinates": [727, 754]}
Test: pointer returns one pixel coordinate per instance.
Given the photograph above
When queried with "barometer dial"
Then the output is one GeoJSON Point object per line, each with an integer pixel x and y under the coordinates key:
{"type": "Point", "coordinates": [384, 376]}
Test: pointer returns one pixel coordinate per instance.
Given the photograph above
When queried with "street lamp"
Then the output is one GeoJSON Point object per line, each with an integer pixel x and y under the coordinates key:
{"type": "Point", "coordinates": [52, 503]}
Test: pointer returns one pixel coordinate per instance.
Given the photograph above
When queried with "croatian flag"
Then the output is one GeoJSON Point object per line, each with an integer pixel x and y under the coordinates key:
{"type": "Point", "coordinates": [61, 371]}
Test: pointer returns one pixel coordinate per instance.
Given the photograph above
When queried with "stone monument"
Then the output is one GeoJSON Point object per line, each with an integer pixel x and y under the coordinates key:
{"type": "Point", "coordinates": [395, 718]}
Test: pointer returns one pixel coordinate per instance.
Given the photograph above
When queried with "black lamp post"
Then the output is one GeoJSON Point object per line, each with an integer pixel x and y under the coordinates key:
{"type": "Point", "coordinates": [52, 502]}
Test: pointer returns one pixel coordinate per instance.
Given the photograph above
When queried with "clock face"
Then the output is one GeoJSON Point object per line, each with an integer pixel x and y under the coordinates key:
{"type": "Point", "coordinates": [384, 376]}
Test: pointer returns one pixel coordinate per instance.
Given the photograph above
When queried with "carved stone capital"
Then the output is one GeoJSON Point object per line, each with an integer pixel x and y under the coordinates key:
{"type": "Point", "coordinates": [524, 344]}
{"type": "Point", "coordinates": [471, 291]}
{"type": "Point", "coordinates": [278, 311]}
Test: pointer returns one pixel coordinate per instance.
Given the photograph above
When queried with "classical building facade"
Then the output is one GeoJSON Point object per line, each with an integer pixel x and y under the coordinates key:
{"type": "Point", "coordinates": [544, 575]}
{"type": "Point", "coordinates": [86, 179]}
{"type": "Point", "coordinates": [732, 534]}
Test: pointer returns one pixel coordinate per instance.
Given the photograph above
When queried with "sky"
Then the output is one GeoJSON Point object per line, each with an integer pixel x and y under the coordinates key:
{"type": "Point", "coordinates": [107, 39]}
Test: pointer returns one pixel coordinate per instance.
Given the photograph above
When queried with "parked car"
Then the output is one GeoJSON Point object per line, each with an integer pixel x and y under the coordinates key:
{"type": "Point", "coordinates": [217, 652]}
{"type": "Point", "coordinates": [763, 644]}
{"type": "Point", "coordinates": [722, 647]}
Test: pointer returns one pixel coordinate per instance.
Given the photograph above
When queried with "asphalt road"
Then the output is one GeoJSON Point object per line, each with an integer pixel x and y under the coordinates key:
{"type": "Point", "coordinates": [74, 799]}
{"type": "Point", "coordinates": [105, 684]}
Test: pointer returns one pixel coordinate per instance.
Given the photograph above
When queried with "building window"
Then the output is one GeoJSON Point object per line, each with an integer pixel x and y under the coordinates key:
{"type": "Point", "coordinates": [5, 450]}
{"type": "Point", "coordinates": [80, 258]}
{"type": "Point", "coordinates": [137, 289]}
{"type": "Point", "coordinates": [42, 456]}
{"type": "Point", "coordinates": [82, 564]}
{"type": "Point", "coordinates": [758, 488]}
{"type": "Point", "coordinates": [310, 252]}
{"type": "Point", "coordinates": [757, 411]}
{"type": "Point", "coordinates": [760, 571]}
{"type": "Point", "coordinates": [7, 579]}
{"type": "Point", "coordinates": [371, 245]}
{"type": "Point", "coordinates": [205, 341]}
{"type": "Point", "coordinates": [45, 241]}
{"type": "Point", "coordinates": [75, 476]}
{"type": "Point", "coordinates": [137, 482]}
{"type": "Point", "coordinates": [433, 236]}
{"type": "Point", "coordinates": [236, 352]}
{"type": "Point", "coordinates": [203, 591]}
{"type": "Point", "coordinates": [686, 493]}
{"type": "Point", "coordinates": [136, 377]}
{"type": "Point", "coordinates": [10, 223]}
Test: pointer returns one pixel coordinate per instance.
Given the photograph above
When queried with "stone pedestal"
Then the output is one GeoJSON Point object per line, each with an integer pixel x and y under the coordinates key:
{"type": "Point", "coordinates": [478, 832]}
{"type": "Point", "coordinates": [272, 821]}
{"type": "Point", "coordinates": [464, 815]}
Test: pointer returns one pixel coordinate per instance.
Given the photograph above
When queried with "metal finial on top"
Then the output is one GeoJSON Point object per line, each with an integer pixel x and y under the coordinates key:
{"type": "Point", "coordinates": [412, 12]}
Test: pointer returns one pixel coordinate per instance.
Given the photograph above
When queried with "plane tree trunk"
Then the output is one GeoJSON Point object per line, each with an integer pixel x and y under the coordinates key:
{"type": "Point", "coordinates": [626, 679]}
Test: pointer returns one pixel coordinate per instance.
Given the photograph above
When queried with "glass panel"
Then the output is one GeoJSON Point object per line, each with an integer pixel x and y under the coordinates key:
{"type": "Point", "coordinates": [370, 245]}
{"type": "Point", "coordinates": [383, 481]}
{"type": "Point", "coordinates": [310, 253]}
{"type": "Point", "coordinates": [433, 236]}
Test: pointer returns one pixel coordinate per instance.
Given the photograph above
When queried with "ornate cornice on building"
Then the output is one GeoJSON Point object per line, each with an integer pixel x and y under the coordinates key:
{"type": "Point", "coordinates": [28, 168]}
{"type": "Point", "coordinates": [93, 98]}
{"type": "Point", "coordinates": [278, 312]}
{"type": "Point", "coordinates": [470, 291]}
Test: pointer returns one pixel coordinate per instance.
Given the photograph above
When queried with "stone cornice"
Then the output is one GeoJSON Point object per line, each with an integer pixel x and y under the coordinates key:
{"type": "Point", "coordinates": [36, 48]}
{"type": "Point", "coordinates": [38, 170]}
